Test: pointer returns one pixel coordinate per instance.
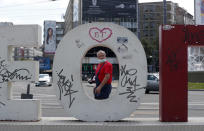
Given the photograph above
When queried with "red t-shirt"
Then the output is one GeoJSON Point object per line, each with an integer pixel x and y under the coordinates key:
{"type": "Point", "coordinates": [106, 69]}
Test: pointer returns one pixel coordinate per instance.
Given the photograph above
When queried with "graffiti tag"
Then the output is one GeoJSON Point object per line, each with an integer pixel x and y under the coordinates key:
{"type": "Point", "coordinates": [129, 81]}
{"type": "Point", "coordinates": [6, 75]}
{"type": "Point", "coordinates": [65, 87]}
{"type": "Point", "coordinates": [100, 35]}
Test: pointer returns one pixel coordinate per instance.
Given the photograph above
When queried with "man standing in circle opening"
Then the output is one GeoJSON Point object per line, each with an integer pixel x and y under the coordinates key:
{"type": "Point", "coordinates": [103, 77]}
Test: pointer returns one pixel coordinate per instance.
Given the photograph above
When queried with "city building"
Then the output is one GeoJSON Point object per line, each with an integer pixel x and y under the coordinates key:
{"type": "Point", "coordinates": [87, 11]}
{"type": "Point", "coordinates": [151, 17]}
{"type": "Point", "coordinates": [23, 53]}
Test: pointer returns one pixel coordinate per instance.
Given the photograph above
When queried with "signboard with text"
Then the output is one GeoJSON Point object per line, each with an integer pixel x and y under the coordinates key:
{"type": "Point", "coordinates": [44, 63]}
{"type": "Point", "coordinates": [109, 9]}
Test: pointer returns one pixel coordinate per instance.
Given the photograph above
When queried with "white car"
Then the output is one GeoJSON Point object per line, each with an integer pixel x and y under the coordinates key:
{"type": "Point", "coordinates": [152, 82]}
{"type": "Point", "coordinates": [44, 80]}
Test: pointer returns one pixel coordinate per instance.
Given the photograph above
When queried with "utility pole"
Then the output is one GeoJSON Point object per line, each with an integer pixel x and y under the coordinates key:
{"type": "Point", "coordinates": [137, 19]}
{"type": "Point", "coordinates": [164, 10]}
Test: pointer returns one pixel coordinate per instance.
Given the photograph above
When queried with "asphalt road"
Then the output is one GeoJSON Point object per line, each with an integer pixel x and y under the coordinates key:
{"type": "Point", "coordinates": [149, 102]}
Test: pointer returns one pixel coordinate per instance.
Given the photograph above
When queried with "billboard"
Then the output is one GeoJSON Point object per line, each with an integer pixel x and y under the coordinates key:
{"type": "Point", "coordinates": [50, 37]}
{"type": "Point", "coordinates": [44, 63]}
{"type": "Point", "coordinates": [199, 12]}
{"type": "Point", "coordinates": [109, 8]}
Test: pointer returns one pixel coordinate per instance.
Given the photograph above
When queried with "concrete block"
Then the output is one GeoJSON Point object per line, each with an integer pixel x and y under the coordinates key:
{"type": "Point", "coordinates": [22, 35]}
{"type": "Point", "coordinates": [23, 110]}
{"type": "Point", "coordinates": [67, 72]}
{"type": "Point", "coordinates": [12, 71]}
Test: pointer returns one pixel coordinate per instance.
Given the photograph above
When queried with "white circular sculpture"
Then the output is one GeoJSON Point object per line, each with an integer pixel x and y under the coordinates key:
{"type": "Point", "coordinates": [67, 72]}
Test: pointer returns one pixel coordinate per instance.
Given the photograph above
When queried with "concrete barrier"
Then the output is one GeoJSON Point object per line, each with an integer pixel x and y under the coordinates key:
{"type": "Point", "coordinates": [18, 71]}
{"type": "Point", "coordinates": [128, 124]}
{"type": "Point", "coordinates": [68, 64]}
{"type": "Point", "coordinates": [195, 76]}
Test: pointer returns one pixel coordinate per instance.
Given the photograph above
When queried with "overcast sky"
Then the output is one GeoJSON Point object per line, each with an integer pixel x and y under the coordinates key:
{"type": "Point", "coordinates": [36, 11]}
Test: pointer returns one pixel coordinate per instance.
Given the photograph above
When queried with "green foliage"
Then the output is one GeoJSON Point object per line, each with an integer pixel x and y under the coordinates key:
{"type": "Point", "coordinates": [152, 50]}
{"type": "Point", "coordinates": [195, 85]}
{"type": "Point", "coordinates": [150, 46]}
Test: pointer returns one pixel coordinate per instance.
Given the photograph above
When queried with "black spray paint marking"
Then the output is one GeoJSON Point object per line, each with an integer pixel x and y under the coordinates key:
{"type": "Point", "coordinates": [129, 81]}
{"type": "Point", "coordinates": [65, 86]}
{"type": "Point", "coordinates": [122, 40]}
{"type": "Point", "coordinates": [6, 75]}
{"type": "Point", "coordinates": [2, 64]}
{"type": "Point", "coordinates": [122, 47]}
{"type": "Point", "coordinates": [1, 103]}
{"type": "Point", "coordinates": [196, 37]}
{"type": "Point", "coordinates": [79, 43]}
{"type": "Point", "coordinates": [172, 60]}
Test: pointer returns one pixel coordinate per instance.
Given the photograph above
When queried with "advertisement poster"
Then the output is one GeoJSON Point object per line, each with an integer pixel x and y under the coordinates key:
{"type": "Point", "coordinates": [199, 12]}
{"type": "Point", "coordinates": [50, 37]}
{"type": "Point", "coordinates": [109, 8]}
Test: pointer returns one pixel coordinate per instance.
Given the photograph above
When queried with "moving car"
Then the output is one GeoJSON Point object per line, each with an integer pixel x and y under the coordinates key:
{"type": "Point", "coordinates": [44, 80]}
{"type": "Point", "coordinates": [152, 82]}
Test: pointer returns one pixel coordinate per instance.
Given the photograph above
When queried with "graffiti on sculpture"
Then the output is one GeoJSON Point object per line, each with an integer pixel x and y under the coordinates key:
{"type": "Point", "coordinates": [79, 44]}
{"type": "Point", "coordinates": [122, 41]}
{"type": "Point", "coordinates": [2, 104]}
{"type": "Point", "coordinates": [129, 81]}
{"type": "Point", "coordinates": [100, 35]}
{"type": "Point", "coordinates": [65, 86]}
{"type": "Point", "coordinates": [6, 75]}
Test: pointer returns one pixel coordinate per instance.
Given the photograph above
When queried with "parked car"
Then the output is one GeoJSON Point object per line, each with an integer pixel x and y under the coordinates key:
{"type": "Point", "coordinates": [44, 80]}
{"type": "Point", "coordinates": [152, 82]}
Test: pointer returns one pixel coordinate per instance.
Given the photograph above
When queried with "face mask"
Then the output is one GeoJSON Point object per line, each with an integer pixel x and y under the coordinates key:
{"type": "Point", "coordinates": [101, 60]}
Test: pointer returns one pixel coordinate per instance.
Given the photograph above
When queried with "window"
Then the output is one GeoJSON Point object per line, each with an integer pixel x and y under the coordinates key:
{"type": "Point", "coordinates": [145, 25]}
{"type": "Point", "coordinates": [149, 8]}
{"type": "Point", "coordinates": [146, 16]}
{"type": "Point", "coordinates": [146, 33]}
{"type": "Point", "coordinates": [152, 25]}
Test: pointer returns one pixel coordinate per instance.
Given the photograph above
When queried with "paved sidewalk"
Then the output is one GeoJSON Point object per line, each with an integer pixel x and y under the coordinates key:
{"type": "Point", "coordinates": [128, 124]}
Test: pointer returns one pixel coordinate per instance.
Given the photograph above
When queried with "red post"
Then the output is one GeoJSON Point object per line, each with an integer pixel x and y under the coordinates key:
{"type": "Point", "coordinates": [173, 74]}
{"type": "Point", "coordinates": [174, 40]}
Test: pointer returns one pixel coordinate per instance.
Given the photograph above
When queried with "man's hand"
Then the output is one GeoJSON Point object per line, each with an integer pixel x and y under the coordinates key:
{"type": "Point", "coordinates": [105, 80]}
{"type": "Point", "coordinates": [98, 90]}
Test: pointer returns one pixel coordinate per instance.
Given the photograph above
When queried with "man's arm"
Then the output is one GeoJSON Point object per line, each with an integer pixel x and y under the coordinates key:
{"type": "Point", "coordinates": [105, 80]}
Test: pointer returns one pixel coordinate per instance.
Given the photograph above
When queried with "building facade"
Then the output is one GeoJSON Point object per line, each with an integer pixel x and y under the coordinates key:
{"type": "Point", "coordinates": [151, 17]}
{"type": "Point", "coordinates": [23, 53]}
{"type": "Point", "coordinates": [124, 13]}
